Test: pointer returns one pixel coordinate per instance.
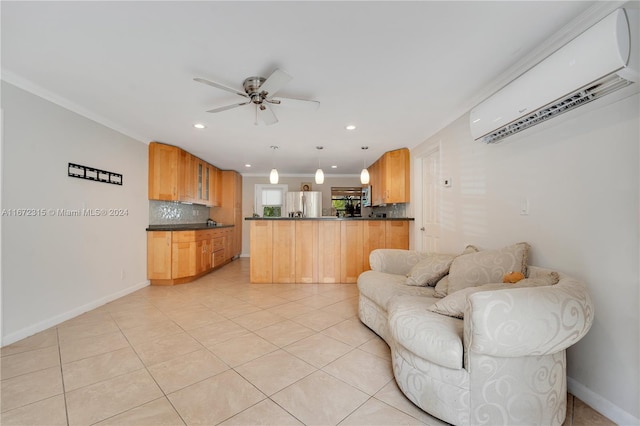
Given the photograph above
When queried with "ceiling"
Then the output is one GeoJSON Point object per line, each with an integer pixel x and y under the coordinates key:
{"type": "Point", "coordinates": [399, 71]}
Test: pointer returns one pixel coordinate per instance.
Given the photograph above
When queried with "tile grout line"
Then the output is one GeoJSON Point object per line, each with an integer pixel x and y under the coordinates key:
{"type": "Point", "coordinates": [64, 391]}
{"type": "Point", "coordinates": [164, 394]}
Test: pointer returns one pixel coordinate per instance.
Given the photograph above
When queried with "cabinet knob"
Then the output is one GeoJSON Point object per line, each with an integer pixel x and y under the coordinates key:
{"type": "Point", "coordinates": [422, 229]}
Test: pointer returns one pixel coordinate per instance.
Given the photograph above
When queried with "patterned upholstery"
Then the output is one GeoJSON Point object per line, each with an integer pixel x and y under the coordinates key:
{"type": "Point", "coordinates": [504, 363]}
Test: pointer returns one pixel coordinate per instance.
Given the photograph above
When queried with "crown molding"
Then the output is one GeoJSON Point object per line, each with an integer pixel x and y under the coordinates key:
{"type": "Point", "coordinates": [31, 87]}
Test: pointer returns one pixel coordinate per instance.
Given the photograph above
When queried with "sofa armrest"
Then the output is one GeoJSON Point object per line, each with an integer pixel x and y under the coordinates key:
{"type": "Point", "coordinates": [527, 321]}
{"type": "Point", "coordinates": [394, 261]}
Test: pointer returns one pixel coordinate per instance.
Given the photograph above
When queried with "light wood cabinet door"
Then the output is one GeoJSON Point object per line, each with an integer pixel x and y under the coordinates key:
{"type": "Point", "coordinates": [306, 251]}
{"type": "Point", "coordinates": [374, 238]}
{"type": "Point", "coordinates": [328, 251]}
{"type": "Point", "coordinates": [351, 252]}
{"type": "Point", "coordinates": [230, 210]}
{"type": "Point", "coordinates": [187, 177]}
{"type": "Point", "coordinates": [375, 178]}
{"type": "Point", "coordinates": [237, 220]}
{"type": "Point", "coordinates": [261, 251]}
{"type": "Point", "coordinates": [284, 255]}
{"type": "Point", "coordinates": [163, 172]}
{"type": "Point", "coordinates": [159, 255]}
{"type": "Point", "coordinates": [397, 234]}
{"type": "Point", "coordinates": [184, 259]}
{"type": "Point", "coordinates": [396, 165]}
{"type": "Point", "coordinates": [215, 193]}
{"type": "Point", "coordinates": [201, 262]}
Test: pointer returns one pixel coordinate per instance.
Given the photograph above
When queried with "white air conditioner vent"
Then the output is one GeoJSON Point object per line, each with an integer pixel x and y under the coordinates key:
{"type": "Point", "coordinates": [576, 99]}
{"type": "Point", "coordinates": [587, 68]}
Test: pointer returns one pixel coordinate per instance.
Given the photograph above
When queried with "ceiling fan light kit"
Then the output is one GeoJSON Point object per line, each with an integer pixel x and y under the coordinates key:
{"type": "Point", "coordinates": [259, 91]}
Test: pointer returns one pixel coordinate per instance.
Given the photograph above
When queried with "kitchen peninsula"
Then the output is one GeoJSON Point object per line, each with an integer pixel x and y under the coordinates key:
{"type": "Point", "coordinates": [319, 249]}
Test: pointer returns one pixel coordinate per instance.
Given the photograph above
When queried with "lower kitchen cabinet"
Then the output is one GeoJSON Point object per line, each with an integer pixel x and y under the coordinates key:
{"type": "Point", "coordinates": [396, 234]}
{"type": "Point", "coordinates": [306, 251]}
{"type": "Point", "coordinates": [176, 257]}
{"type": "Point", "coordinates": [374, 238]}
{"type": "Point", "coordinates": [351, 250]}
{"type": "Point", "coordinates": [329, 260]}
{"type": "Point", "coordinates": [159, 248]}
{"type": "Point", "coordinates": [284, 252]}
{"type": "Point", "coordinates": [261, 252]}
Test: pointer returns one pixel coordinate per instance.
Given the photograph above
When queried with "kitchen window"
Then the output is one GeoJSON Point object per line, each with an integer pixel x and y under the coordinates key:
{"type": "Point", "coordinates": [269, 201]}
{"type": "Point", "coordinates": [346, 201]}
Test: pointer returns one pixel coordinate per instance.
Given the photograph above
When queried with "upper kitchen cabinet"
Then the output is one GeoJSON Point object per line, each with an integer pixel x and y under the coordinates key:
{"type": "Point", "coordinates": [396, 174]}
{"type": "Point", "coordinates": [187, 177]}
{"type": "Point", "coordinates": [163, 172]}
{"type": "Point", "coordinates": [390, 178]}
{"type": "Point", "coordinates": [215, 186]}
{"type": "Point", "coordinates": [176, 175]}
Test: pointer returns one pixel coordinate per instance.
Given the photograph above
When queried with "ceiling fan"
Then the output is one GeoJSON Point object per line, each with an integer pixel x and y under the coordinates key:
{"type": "Point", "coordinates": [260, 91]}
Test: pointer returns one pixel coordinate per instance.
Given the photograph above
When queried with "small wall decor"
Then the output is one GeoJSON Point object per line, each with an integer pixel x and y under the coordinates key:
{"type": "Point", "coordinates": [305, 186]}
{"type": "Point", "coordinates": [90, 173]}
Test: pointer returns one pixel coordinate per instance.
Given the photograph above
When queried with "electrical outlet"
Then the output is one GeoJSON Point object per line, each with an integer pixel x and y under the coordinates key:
{"type": "Point", "coordinates": [446, 182]}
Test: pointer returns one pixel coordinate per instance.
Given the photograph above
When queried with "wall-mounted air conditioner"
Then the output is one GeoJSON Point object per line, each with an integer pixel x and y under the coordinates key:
{"type": "Point", "coordinates": [595, 63]}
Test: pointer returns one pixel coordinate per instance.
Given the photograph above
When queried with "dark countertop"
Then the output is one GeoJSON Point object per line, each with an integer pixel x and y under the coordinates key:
{"type": "Point", "coordinates": [185, 227]}
{"type": "Point", "coordinates": [328, 218]}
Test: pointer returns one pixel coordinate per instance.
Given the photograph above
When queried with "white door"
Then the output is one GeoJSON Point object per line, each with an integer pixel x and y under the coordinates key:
{"type": "Point", "coordinates": [431, 202]}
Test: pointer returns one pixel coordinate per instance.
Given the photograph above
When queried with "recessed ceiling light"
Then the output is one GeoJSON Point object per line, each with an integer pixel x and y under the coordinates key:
{"type": "Point", "coordinates": [199, 126]}
{"type": "Point", "coordinates": [350, 127]}
{"type": "Point", "coordinates": [334, 167]}
{"type": "Point", "coordinates": [247, 165]}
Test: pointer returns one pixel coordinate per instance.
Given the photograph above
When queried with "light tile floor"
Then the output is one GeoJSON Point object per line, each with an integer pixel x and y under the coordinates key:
{"type": "Point", "coordinates": [215, 351]}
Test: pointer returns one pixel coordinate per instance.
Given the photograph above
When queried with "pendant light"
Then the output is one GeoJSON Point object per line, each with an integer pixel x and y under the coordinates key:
{"type": "Point", "coordinates": [319, 172]}
{"type": "Point", "coordinates": [273, 176]}
{"type": "Point", "coordinates": [364, 174]}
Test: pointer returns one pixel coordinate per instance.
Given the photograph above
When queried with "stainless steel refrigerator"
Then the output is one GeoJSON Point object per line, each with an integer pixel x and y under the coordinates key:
{"type": "Point", "coordinates": [304, 204]}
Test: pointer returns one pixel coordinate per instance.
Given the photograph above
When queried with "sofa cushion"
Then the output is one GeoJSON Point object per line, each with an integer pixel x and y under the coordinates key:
{"type": "Point", "coordinates": [428, 335]}
{"type": "Point", "coordinates": [488, 266]}
{"type": "Point", "coordinates": [429, 270]}
{"type": "Point", "coordinates": [454, 304]}
{"type": "Point", "coordinates": [380, 287]}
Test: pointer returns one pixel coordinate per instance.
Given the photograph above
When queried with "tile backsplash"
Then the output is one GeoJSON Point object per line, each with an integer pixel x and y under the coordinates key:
{"type": "Point", "coordinates": [175, 213]}
{"type": "Point", "coordinates": [391, 210]}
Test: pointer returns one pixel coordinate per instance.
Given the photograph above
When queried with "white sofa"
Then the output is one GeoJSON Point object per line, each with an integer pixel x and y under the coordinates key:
{"type": "Point", "coordinates": [503, 363]}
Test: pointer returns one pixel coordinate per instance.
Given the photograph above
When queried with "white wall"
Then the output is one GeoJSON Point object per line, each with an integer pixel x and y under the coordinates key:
{"type": "Point", "coordinates": [580, 175]}
{"type": "Point", "coordinates": [54, 268]}
{"type": "Point", "coordinates": [248, 186]}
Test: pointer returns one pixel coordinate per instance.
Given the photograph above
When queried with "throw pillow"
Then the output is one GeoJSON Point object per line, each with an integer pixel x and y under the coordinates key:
{"type": "Point", "coordinates": [442, 287]}
{"type": "Point", "coordinates": [428, 271]}
{"type": "Point", "coordinates": [487, 266]}
{"type": "Point", "coordinates": [454, 304]}
{"type": "Point", "coordinates": [443, 284]}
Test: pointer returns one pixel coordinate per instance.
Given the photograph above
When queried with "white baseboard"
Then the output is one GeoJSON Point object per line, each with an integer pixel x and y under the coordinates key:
{"type": "Point", "coordinates": [58, 319]}
{"type": "Point", "coordinates": [600, 404]}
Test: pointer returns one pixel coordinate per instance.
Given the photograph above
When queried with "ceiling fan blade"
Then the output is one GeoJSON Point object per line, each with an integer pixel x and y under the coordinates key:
{"type": "Point", "coordinates": [294, 102]}
{"type": "Point", "coordinates": [220, 86]}
{"type": "Point", "coordinates": [275, 82]}
{"type": "Point", "coordinates": [224, 108]}
{"type": "Point", "coordinates": [268, 116]}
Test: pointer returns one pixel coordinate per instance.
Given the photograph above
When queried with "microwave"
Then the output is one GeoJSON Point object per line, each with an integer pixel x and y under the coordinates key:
{"type": "Point", "coordinates": [366, 196]}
